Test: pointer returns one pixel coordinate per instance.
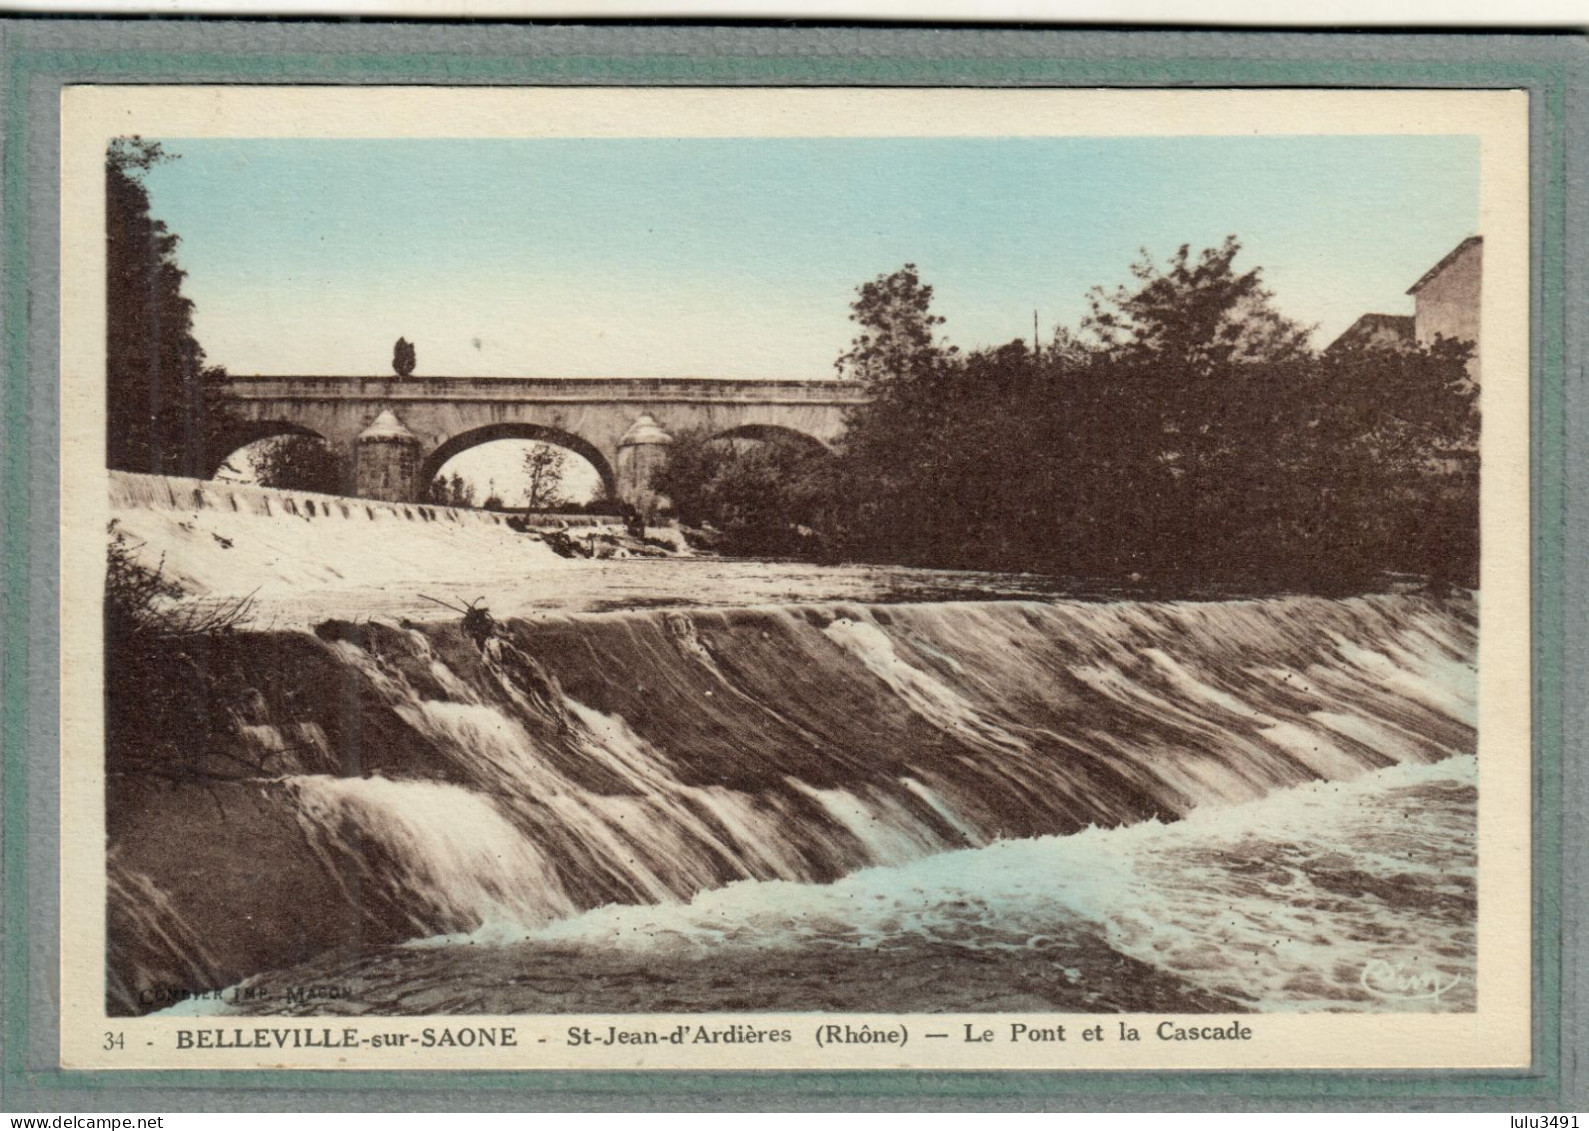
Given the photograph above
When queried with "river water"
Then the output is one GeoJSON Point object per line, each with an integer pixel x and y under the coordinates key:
{"type": "Point", "coordinates": [830, 804]}
{"type": "Point", "coordinates": [302, 559]}
{"type": "Point", "coordinates": [779, 787]}
{"type": "Point", "coordinates": [1312, 899]}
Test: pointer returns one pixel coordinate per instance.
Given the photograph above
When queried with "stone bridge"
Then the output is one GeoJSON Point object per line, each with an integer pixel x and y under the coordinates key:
{"type": "Point", "coordinates": [399, 431]}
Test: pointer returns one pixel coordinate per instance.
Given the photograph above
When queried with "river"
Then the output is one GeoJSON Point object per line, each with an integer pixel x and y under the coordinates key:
{"type": "Point", "coordinates": [779, 787]}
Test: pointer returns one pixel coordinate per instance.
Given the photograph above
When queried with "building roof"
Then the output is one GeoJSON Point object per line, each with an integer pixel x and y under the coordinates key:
{"type": "Point", "coordinates": [1471, 241]}
{"type": "Point", "coordinates": [386, 426]}
{"type": "Point", "coordinates": [645, 430]}
{"type": "Point", "coordinates": [1397, 326]}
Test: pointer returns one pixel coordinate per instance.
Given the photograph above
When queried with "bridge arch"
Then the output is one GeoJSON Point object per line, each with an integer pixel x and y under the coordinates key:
{"type": "Point", "coordinates": [245, 432]}
{"type": "Point", "coordinates": [776, 433]}
{"type": "Point", "coordinates": [508, 430]}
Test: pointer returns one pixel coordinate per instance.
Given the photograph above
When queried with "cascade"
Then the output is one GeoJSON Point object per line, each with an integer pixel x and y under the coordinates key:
{"type": "Point", "coordinates": [647, 759]}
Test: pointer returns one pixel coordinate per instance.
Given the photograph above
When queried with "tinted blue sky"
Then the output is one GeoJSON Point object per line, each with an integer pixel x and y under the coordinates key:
{"type": "Point", "coordinates": [738, 258]}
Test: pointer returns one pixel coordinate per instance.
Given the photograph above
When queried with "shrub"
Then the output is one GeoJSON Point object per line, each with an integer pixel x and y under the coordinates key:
{"type": "Point", "coordinates": [165, 709]}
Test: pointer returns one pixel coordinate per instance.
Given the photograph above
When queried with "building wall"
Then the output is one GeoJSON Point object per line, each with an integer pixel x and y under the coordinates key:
{"type": "Point", "coordinates": [1447, 305]}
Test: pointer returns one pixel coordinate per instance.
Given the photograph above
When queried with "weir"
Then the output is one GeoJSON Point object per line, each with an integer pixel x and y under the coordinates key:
{"type": "Point", "coordinates": [368, 784]}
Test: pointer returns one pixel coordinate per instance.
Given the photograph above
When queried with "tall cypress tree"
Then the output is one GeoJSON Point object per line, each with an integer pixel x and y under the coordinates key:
{"type": "Point", "coordinates": [166, 411]}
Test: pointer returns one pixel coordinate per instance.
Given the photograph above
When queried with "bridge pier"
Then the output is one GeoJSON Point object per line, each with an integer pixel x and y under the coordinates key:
{"type": "Point", "coordinates": [386, 461]}
{"type": "Point", "coordinates": [642, 450]}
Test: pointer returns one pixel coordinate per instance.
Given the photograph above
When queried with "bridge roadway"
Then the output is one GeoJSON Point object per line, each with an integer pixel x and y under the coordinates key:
{"type": "Point", "coordinates": [602, 419]}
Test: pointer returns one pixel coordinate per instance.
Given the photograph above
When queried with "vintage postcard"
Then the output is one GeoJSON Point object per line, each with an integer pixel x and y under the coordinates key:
{"type": "Point", "coordinates": [795, 578]}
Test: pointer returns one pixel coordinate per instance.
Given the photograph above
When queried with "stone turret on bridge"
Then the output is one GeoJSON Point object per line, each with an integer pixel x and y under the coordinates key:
{"type": "Point", "coordinates": [386, 460]}
{"type": "Point", "coordinates": [642, 450]}
{"type": "Point", "coordinates": [620, 426]}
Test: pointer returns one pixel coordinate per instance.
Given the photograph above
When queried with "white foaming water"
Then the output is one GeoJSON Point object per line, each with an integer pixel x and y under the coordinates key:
{"type": "Point", "coordinates": [1420, 675]}
{"type": "Point", "coordinates": [1281, 903]}
{"type": "Point", "coordinates": [770, 748]}
{"type": "Point", "coordinates": [164, 932]}
{"type": "Point", "coordinates": [451, 858]}
{"type": "Point", "coordinates": [655, 837]}
{"type": "Point", "coordinates": [645, 836]}
{"type": "Point", "coordinates": [938, 805]}
{"type": "Point", "coordinates": [227, 540]}
{"type": "Point", "coordinates": [887, 834]}
{"type": "Point", "coordinates": [304, 558]}
{"type": "Point", "coordinates": [931, 698]}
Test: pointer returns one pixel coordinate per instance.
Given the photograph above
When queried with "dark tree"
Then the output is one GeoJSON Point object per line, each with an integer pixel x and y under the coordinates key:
{"type": "Point", "coordinates": [1188, 403]}
{"type": "Point", "coordinates": [901, 470]}
{"type": "Point", "coordinates": [451, 491]}
{"type": "Point", "coordinates": [763, 496]}
{"type": "Point", "coordinates": [403, 358]}
{"type": "Point", "coordinates": [300, 463]}
{"type": "Point", "coordinates": [165, 406]}
{"type": "Point", "coordinates": [897, 328]}
{"type": "Point", "coordinates": [1185, 437]}
{"type": "Point", "coordinates": [544, 468]}
{"type": "Point", "coordinates": [1196, 316]}
{"type": "Point", "coordinates": [1395, 435]}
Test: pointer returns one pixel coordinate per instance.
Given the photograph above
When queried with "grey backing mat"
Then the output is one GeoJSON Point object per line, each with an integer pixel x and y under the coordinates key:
{"type": "Point", "coordinates": [190, 50]}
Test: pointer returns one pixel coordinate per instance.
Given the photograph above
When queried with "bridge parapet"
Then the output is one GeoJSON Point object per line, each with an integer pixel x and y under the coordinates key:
{"type": "Point", "coordinates": [682, 390]}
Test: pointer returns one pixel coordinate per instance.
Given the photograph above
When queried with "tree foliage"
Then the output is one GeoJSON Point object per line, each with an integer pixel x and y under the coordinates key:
{"type": "Point", "coordinates": [451, 491]}
{"type": "Point", "coordinates": [166, 407]}
{"type": "Point", "coordinates": [897, 328]}
{"type": "Point", "coordinates": [544, 468]}
{"type": "Point", "coordinates": [300, 463]}
{"type": "Point", "coordinates": [764, 497]}
{"type": "Point", "coordinates": [161, 707]}
{"type": "Point", "coordinates": [1197, 316]}
{"type": "Point", "coordinates": [1185, 434]}
{"type": "Point", "coordinates": [403, 358]}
